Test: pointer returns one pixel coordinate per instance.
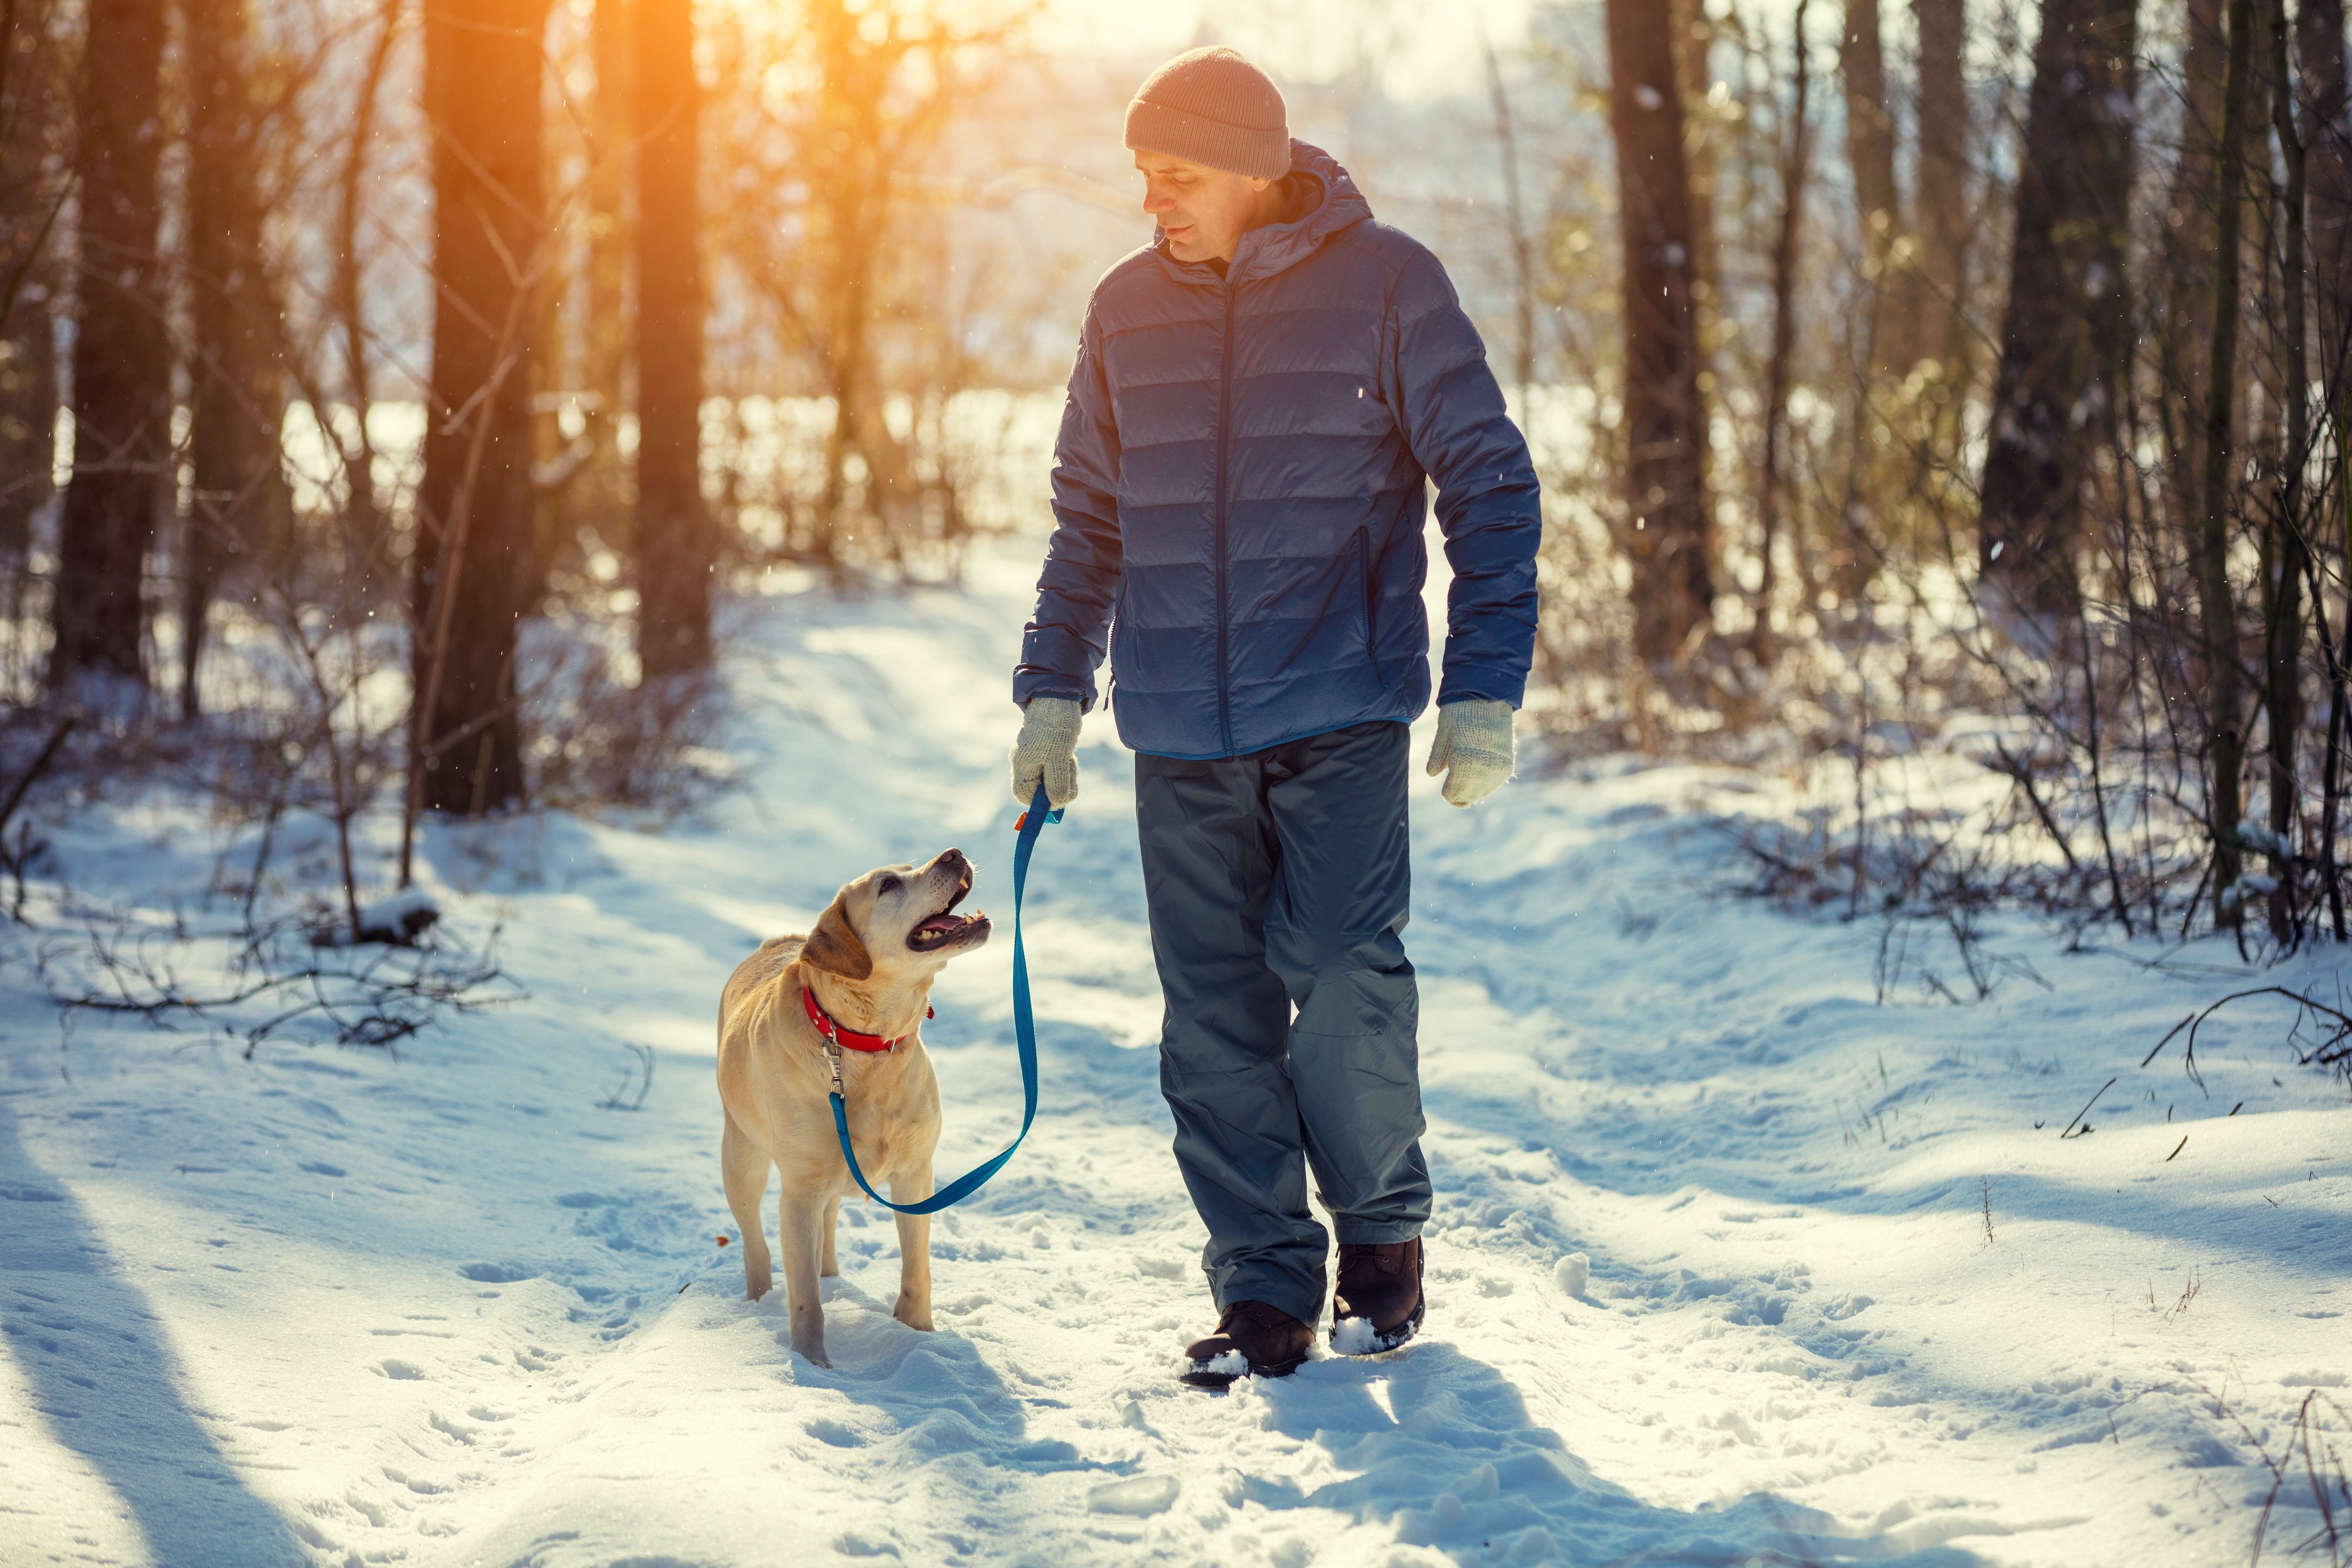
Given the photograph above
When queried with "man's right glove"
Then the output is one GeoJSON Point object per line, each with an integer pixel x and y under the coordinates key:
{"type": "Point", "coordinates": [1047, 749]}
{"type": "Point", "coordinates": [1473, 749]}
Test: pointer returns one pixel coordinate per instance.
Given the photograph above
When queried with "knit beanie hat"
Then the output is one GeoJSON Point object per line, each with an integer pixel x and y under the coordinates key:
{"type": "Point", "coordinates": [1211, 106]}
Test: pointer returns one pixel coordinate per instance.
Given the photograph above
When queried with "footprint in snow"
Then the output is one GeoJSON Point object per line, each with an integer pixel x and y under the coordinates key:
{"type": "Point", "coordinates": [1139, 1497]}
{"type": "Point", "coordinates": [853, 1544]}
{"type": "Point", "coordinates": [835, 1434]}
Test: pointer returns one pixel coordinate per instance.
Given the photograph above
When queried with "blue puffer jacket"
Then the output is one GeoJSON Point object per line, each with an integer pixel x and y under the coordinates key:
{"type": "Point", "coordinates": [1240, 493]}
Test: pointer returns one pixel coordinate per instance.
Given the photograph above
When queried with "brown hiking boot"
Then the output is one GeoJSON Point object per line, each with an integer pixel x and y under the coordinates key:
{"type": "Point", "coordinates": [1253, 1339]}
{"type": "Point", "coordinates": [1378, 1305]}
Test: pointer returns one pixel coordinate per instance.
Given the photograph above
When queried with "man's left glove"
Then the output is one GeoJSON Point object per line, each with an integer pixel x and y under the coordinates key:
{"type": "Point", "coordinates": [1047, 749]}
{"type": "Point", "coordinates": [1473, 749]}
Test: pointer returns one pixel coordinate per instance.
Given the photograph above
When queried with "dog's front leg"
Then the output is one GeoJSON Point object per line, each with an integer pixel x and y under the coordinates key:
{"type": "Point", "coordinates": [828, 1266]}
{"type": "Point", "coordinates": [914, 1308]}
{"type": "Point", "coordinates": [797, 1239]}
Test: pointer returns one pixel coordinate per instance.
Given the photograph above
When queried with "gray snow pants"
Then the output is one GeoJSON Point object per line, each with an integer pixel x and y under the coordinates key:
{"type": "Point", "coordinates": [1277, 884]}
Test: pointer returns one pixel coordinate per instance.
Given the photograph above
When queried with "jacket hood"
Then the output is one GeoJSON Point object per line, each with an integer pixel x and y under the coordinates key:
{"type": "Point", "coordinates": [1264, 252]}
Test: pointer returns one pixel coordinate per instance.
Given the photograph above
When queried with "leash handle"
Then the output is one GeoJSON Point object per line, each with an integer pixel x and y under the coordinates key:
{"type": "Point", "coordinates": [1024, 1038]}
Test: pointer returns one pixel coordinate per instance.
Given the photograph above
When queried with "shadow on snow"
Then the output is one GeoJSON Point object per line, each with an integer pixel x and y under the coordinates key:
{"type": "Point", "coordinates": [99, 1369]}
{"type": "Point", "coordinates": [1441, 1447]}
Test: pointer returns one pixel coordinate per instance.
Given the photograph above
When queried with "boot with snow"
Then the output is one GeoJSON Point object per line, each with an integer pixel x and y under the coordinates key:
{"type": "Point", "coordinates": [1253, 1339]}
{"type": "Point", "coordinates": [1378, 1305]}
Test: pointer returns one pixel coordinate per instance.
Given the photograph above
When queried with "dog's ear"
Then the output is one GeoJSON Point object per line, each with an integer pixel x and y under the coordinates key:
{"type": "Point", "coordinates": [834, 946]}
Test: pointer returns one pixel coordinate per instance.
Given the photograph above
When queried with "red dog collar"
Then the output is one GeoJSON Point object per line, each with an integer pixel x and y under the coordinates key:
{"type": "Point", "coordinates": [847, 1039]}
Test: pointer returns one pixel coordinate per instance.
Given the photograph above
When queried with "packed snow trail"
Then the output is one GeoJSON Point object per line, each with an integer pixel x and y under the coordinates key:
{"type": "Point", "coordinates": [1844, 1302]}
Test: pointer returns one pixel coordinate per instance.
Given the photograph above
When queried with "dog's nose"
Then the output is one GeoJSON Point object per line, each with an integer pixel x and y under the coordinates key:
{"type": "Point", "coordinates": [954, 858]}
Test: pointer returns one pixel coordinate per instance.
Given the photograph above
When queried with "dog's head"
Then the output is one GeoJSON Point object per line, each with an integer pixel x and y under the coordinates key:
{"type": "Point", "coordinates": [897, 921]}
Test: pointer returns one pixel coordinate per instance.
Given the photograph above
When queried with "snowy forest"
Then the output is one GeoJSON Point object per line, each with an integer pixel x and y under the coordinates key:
{"type": "Point", "coordinates": [505, 504]}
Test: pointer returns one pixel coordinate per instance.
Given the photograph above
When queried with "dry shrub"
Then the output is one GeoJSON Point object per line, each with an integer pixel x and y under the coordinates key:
{"type": "Point", "coordinates": [599, 740]}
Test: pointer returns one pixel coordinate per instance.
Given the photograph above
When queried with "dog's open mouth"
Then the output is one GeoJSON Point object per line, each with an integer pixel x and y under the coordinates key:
{"type": "Point", "coordinates": [947, 927]}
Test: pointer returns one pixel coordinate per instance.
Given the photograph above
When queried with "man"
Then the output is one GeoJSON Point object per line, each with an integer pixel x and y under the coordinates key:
{"type": "Point", "coordinates": [1261, 397]}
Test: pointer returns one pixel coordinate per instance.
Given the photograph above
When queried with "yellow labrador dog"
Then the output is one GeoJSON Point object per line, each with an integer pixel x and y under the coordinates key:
{"type": "Point", "coordinates": [863, 977]}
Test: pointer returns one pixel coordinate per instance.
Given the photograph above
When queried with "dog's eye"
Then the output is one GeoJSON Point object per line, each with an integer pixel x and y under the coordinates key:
{"type": "Point", "coordinates": [890, 884]}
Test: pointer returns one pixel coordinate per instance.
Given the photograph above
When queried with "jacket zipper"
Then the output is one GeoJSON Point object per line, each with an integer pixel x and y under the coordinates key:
{"type": "Point", "coordinates": [1364, 575]}
{"type": "Point", "coordinates": [1224, 442]}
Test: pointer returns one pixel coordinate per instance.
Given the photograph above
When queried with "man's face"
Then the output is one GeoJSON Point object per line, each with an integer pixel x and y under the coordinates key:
{"type": "Point", "coordinates": [1202, 211]}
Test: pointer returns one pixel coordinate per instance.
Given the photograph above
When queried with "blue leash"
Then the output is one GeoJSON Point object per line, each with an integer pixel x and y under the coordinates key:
{"type": "Point", "coordinates": [1025, 1037]}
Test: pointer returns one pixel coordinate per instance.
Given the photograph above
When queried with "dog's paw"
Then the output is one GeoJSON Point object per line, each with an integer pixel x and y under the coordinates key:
{"type": "Point", "coordinates": [914, 1317]}
{"type": "Point", "coordinates": [813, 1354]}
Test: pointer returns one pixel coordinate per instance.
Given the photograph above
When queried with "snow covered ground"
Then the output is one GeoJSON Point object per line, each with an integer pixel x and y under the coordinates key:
{"type": "Point", "coordinates": [1732, 1263]}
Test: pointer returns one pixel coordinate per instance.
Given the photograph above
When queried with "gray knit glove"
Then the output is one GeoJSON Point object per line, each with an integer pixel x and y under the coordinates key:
{"type": "Point", "coordinates": [1473, 749]}
{"type": "Point", "coordinates": [1047, 749]}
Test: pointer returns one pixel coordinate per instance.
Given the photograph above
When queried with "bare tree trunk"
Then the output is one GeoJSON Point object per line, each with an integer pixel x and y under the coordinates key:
{"type": "Point", "coordinates": [845, 351]}
{"type": "Point", "coordinates": [2064, 343]}
{"type": "Point", "coordinates": [1795, 166]}
{"type": "Point", "coordinates": [2327, 138]}
{"type": "Point", "coordinates": [1702, 140]}
{"type": "Point", "coordinates": [36, 178]}
{"type": "Point", "coordinates": [122, 362]}
{"type": "Point", "coordinates": [28, 416]}
{"type": "Point", "coordinates": [236, 398]}
{"type": "Point", "coordinates": [677, 555]}
{"type": "Point", "coordinates": [1664, 416]}
{"type": "Point", "coordinates": [1946, 227]}
{"type": "Point", "coordinates": [612, 125]}
{"type": "Point", "coordinates": [2186, 325]}
{"type": "Point", "coordinates": [850, 199]}
{"type": "Point", "coordinates": [366, 512]}
{"type": "Point", "coordinates": [549, 354]}
{"type": "Point", "coordinates": [1878, 206]}
{"type": "Point", "coordinates": [475, 506]}
{"type": "Point", "coordinates": [2220, 610]}
{"type": "Point", "coordinates": [33, 115]}
{"type": "Point", "coordinates": [2284, 661]}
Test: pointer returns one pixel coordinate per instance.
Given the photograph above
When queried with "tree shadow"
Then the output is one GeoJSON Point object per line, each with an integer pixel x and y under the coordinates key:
{"type": "Point", "coordinates": [107, 1383]}
{"type": "Point", "coordinates": [1439, 1445]}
